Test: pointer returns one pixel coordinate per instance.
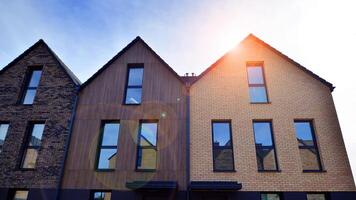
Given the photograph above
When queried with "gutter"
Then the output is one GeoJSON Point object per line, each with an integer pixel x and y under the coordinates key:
{"type": "Point", "coordinates": [188, 140]}
{"type": "Point", "coordinates": [67, 144]}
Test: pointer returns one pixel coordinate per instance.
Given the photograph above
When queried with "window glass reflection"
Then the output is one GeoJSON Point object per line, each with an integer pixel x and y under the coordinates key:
{"type": "Point", "coordinates": [107, 159]}
{"type": "Point", "coordinates": [135, 77]}
{"type": "Point", "coordinates": [3, 132]}
{"type": "Point", "coordinates": [148, 134]}
{"type": "Point", "coordinates": [30, 159]}
{"type": "Point", "coordinates": [255, 75]}
{"type": "Point", "coordinates": [265, 150]}
{"type": "Point", "coordinates": [223, 156]}
{"type": "Point", "coordinates": [108, 146]}
{"type": "Point", "coordinates": [221, 134]}
{"type": "Point", "coordinates": [102, 196]}
{"type": "Point", "coordinates": [258, 95]}
{"type": "Point", "coordinates": [147, 158]}
{"type": "Point", "coordinates": [133, 90]}
{"type": "Point", "coordinates": [20, 195]}
{"type": "Point", "coordinates": [35, 78]}
{"type": "Point", "coordinates": [270, 196]}
{"type": "Point", "coordinates": [29, 96]}
{"type": "Point", "coordinates": [111, 134]}
{"type": "Point", "coordinates": [307, 145]}
{"type": "Point", "coordinates": [316, 197]}
{"type": "Point", "coordinates": [133, 95]}
{"type": "Point", "coordinates": [147, 146]}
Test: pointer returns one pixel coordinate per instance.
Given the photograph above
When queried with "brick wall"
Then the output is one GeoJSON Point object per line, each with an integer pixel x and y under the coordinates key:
{"type": "Point", "coordinates": [223, 94]}
{"type": "Point", "coordinates": [53, 104]}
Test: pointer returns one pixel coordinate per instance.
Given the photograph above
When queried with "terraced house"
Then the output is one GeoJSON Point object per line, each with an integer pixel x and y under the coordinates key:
{"type": "Point", "coordinates": [129, 134]}
{"type": "Point", "coordinates": [37, 98]}
{"type": "Point", "coordinates": [255, 125]}
{"type": "Point", "coordinates": [264, 127]}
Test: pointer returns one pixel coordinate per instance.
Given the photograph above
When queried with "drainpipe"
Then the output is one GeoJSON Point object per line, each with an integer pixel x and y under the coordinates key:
{"type": "Point", "coordinates": [58, 195]}
{"type": "Point", "coordinates": [187, 148]}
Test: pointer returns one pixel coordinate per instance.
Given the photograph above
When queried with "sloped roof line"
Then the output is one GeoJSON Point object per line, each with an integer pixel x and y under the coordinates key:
{"type": "Point", "coordinates": [118, 55]}
{"type": "Point", "coordinates": [253, 37]}
{"type": "Point", "coordinates": [71, 75]}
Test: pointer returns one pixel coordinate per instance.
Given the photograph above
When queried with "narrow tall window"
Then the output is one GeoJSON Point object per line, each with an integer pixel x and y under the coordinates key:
{"type": "Point", "coordinates": [3, 132]}
{"type": "Point", "coordinates": [31, 87]}
{"type": "Point", "coordinates": [223, 156]}
{"type": "Point", "coordinates": [133, 91]}
{"type": "Point", "coordinates": [20, 195]}
{"type": "Point", "coordinates": [256, 83]}
{"type": "Point", "coordinates": [33, 145]}
{"type": "Point", "coordinates": [108, 146]}
{"type": "Point", "coordinates": [265, 150]}
{"type": "Point", "coordinates": [270, 196]}
{"type": "Point", "coordinates": [147, 146]}
{"type": "Point", "coordinates": [101, 195]}
{"type": "Point", "coordinates": [316, 196]}
{"type": "Point", "coordinates": [307, 146]}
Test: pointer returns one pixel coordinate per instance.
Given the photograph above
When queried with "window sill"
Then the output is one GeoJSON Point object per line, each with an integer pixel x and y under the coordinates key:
{"type": "Point", "coordinates": [104, 170]}
{"type": "Point", "coordinates": [261, 102]}
{"type": "Point", "coordinates": [131, 104]}
{"type": "Point", "coordinates": [270, 171]}
{"type": "Point", "coordinates": [145, 170]}
{"type": "Point", "coordinates": [224, 171]}
{"type": "Point", "coordinates": [20, 104]}
{"type": "Point", "coordinates": [27, 169]}
{"type": "Point", "coordinates": [314, 171]}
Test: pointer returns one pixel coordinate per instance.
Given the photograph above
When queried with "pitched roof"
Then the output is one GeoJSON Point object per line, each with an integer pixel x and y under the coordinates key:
{"type": "Point", "coordinates": [118, 55]}
{"type": "Point", "coordinates": [253, 37]}
{"type": "Point", "coordinates": [71, 75]}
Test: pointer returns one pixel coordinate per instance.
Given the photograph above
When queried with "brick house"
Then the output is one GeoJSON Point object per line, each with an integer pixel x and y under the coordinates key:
{"type": "Point", "coordinates": [264, 127]}
{"type": "Point", "coordinates": [37, 97]}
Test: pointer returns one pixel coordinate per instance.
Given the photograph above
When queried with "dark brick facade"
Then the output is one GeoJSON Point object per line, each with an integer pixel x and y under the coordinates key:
{"type": "Point", "coordinates": [54, 103]}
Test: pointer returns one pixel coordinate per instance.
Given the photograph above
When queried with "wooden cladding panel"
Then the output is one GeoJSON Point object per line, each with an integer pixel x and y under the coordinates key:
{"type": "Point", "coordinates": [163, 98]}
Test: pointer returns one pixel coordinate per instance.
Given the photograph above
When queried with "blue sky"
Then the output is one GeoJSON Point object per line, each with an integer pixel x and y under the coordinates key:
{"type": "Point", "coordinates": [191, 35]}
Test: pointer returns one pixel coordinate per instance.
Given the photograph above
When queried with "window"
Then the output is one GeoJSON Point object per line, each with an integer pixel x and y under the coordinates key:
{"type": "Point", "coordinates": [147, 146]}
{"type": "Point", "coordinates": [3, 132]}
{"type": "Point", "coordinates": [33, 145]}
{"type": "Point", "coordinates": [256, 83]}
{"type": "Point", "coordinates": [315, 196]}
{"type": "Point", "coordinates": [133, 91]}
{"type": "Point", "coordinates": [31, 87]}
{"type": "Point", "coordinates": [223, 156]}
{"type": "Point", "coordinates": [101, 195]}
{"type": "Point", "coordinates": [270, 196]}
{"type": "Point", "coordinates": [265, 151]}
{"type": "Point", "coordinates": [20, 195]}
{"type": "Point", "coordinates": [307, 146]}
{"type": "Point", "coordinates": [108, 146]}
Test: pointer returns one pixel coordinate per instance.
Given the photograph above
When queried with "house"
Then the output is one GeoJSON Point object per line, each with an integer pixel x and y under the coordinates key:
{"type": "Point", "coordinates": [37, 100]}
{"type": "Point", "coordinates": [281, 119]}
{"type": "Point", "coordinates": [129, 134]}
{"type": "Point", "coordinates": [255, 125]}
